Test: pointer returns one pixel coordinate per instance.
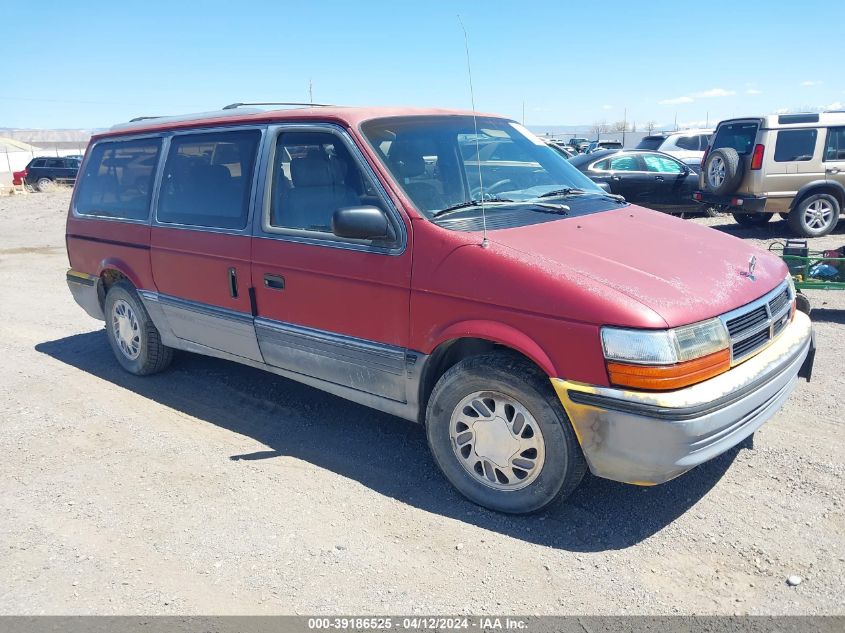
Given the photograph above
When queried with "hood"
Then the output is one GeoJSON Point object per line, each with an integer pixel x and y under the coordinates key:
{"type": "Point", "coordinates": [682, 271]}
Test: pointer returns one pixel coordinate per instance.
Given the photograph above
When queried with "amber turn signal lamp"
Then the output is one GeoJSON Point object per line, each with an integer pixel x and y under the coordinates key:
{"type": "Point", "coordinates": [666, 377]}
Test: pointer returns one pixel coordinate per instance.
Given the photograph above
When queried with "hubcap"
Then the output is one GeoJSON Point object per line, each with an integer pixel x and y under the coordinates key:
{"type": "Point", "coordinates": [818, 214]}
{"type": "Point", "coordinates": [497, 441]}
{"type": "Point", "coordinates": [126, 330]}
{"type": "Point", "coordinates": [716, 172]}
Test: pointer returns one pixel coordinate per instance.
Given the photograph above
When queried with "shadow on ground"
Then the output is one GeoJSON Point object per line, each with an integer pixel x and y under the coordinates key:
{"type": "Point", "coordinates": [387, 454]}
{"type": "Point", "coordinates": [776, 230]}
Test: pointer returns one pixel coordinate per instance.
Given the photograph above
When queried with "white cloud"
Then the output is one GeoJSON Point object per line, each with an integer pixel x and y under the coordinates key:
{"type": "Point", "coordinates": [836, 105]}
{"type": "Point", "coordinates": [753, 91]}
{"type": "Point", "coordinates": [676, 101]}
{"type": "Point", "coordinates": [607, 107]}
{"type": "Point", "coordinates": [811, 82]}
{"type": "Point", "coordinates": [714, 92]}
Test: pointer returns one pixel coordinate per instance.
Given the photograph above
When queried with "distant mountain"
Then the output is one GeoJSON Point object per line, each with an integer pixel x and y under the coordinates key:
{"type": "Point", "coordinates": [36, 136]}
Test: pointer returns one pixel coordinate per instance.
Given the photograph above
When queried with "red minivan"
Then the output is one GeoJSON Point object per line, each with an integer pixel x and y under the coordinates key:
{"type": "Point", "coordinates": [448, 268]}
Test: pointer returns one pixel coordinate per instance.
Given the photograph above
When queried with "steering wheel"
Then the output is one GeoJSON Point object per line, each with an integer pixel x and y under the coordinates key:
{"type": "Point", "coordinates": [491, 189]}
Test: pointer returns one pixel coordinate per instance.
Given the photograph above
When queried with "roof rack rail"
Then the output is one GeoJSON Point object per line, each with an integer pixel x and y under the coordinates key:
{"type": "Point", "coordinates": [233, 106]}
{"type": "Point", "coordinates": [144, 118]}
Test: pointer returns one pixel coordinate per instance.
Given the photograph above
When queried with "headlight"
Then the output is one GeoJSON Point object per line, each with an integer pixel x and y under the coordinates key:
{"type": "Point", "coordinates": [666, 359]}
{"type": "Point", "coordinates": [658, 347]}
{"type": "Point", "coordinates": [791, 282]}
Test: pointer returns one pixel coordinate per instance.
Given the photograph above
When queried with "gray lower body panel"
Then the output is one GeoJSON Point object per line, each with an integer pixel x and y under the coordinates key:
{"type": "Point", "coordinates": [380, 376]}
{"type": "Point", "coordinates": [86, 292]}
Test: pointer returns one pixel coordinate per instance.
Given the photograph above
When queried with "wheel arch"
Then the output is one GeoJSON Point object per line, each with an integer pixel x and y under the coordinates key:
{"type": "Point", "coordinates": [112, 270]}
{"type": "Point", "coordinates": [473, 338]}
{"type": "Point", "coordinates": [830, 187]}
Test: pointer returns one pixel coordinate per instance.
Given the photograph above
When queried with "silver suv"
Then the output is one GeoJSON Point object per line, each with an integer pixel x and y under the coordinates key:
{"type": "Point", "coordinates": [791, 164]}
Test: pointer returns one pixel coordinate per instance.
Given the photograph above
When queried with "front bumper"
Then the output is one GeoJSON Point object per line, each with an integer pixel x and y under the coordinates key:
{"type": "Point", "coordinates": [648, 438]}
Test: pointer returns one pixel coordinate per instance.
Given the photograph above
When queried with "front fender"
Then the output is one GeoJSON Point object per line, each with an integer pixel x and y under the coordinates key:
{"type": "Point", "coordinates": [501, 334]}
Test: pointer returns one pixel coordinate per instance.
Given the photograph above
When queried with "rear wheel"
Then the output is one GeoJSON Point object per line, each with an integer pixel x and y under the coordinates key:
{"type": "Point", "coordinates": [133, 337]}
{"type": "Point", "coordinates": [815, 215]}
{"type": "Point", "coordinates": [45, 184]}
{"type": "Point", "coordinates": [500, 435]}
{"type": "Point", "coordinates": [752, 219]}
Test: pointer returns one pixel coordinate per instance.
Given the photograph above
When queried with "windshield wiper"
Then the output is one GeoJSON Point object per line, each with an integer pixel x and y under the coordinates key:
{"type": "Point", "coordinates": [467, 204]}
{"type": "Point", "coordinates": [576, 191]}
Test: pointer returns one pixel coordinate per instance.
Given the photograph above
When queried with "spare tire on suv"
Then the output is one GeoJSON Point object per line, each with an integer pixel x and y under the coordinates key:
{"type": "Point", "coordinates": [723, 171]}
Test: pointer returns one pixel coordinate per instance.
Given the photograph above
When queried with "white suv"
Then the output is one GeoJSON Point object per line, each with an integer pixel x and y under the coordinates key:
{"type": "Point", "coordinates": [686, 145]}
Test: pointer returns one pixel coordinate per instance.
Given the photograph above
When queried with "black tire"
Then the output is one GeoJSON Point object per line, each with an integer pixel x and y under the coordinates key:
{"type": "Point", "coordinates": [752, 219]}
{"type": "Point", "coordinates": [152, 356]}
{"type": "Point", "coordinates": [784, 216]}
{"type": "Point", "coordinates": [512, 376]}
{"type": "Point", "coordinates": [45, 184]}
{"type": "Point", "coordinates": [802, 304]}
{"type": "Point", "coordinates": [733, 171]}
{"type": "Point", "coordinates": [801, 217]}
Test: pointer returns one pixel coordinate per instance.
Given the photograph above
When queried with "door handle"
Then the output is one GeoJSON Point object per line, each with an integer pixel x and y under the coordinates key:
{"type": "Point", "coordinates": [274, 282]}
{"type": "Point", "coordinates": [832, 170]}
{"type": "Point", "coordinates": [233, 283]}
{"type": "Point", "coordinates": [659, 178]}
{"type": "Point", "coordinates": [616, 177]}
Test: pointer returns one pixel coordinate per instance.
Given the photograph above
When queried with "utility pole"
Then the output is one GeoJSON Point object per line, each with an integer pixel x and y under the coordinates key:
{"type": "Point", "coordinates": [624, 124]}
{"type": "Point", "coordinates": [310, 92]}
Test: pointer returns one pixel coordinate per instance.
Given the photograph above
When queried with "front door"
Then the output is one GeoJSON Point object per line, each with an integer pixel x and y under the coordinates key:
{"type": "Point", "coordinates": [672, 184]}
{"type": "Point", "coordinates": [329, 308]}
{"type": "Point", "coordinates": [628, 177]}
{"type": "Point", "coordinates": [200, 240]}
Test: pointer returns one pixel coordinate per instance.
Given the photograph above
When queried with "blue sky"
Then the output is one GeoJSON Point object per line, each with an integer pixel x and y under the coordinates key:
{"type": "Point", "coordinates": [93, 63]}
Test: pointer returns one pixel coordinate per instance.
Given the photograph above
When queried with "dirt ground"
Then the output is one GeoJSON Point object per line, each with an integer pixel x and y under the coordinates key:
{"type": "Point", "coordinates": [218, 489]}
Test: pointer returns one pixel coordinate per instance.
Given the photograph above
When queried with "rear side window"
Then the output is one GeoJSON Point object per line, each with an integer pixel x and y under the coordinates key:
{"type": "Point", "coordinates": [56, 163]}
{"type": "Point", "coordinates": [690, 143]}
{"type": "Point", "coordinates": [795, 145]}
{"type": "Point", "coordinates": [118, 179]}
{"type": "Point", "coordinates": [835, 147]}
{"type": "Point", "coordinates": [38, 162]}
{"type": "Point", "coordinates": [625, 163]}
{"type": "Point", "coordinates": [208, 179]}
{"type": "Point", "coordinates": [651, 142]}
{"type": "Point", "coordinates": [739, 136]}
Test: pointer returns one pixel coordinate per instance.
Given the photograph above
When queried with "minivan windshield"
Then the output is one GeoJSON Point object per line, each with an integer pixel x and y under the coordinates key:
{"type": "Point", "coordinates": [450, 164]}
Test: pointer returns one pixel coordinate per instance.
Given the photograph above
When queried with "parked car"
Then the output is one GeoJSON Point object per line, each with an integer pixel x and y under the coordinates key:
{"type": "Point", "coordinates": [44, 172]}
{"type": "Point", "coordinates": [596, 146]}
{"type": "Point", "coordinates": [650, 179]}
{"type": "Point", "coordinates": [564, 150]}
{"type": "Point", "coordinates": [579, 143]}
{"type": "Point", "coordinates": [536, 329]}
{"type": "Point", "coordinates": [687, 145]}
{"type": "Point", "coordinates": [791, 164]}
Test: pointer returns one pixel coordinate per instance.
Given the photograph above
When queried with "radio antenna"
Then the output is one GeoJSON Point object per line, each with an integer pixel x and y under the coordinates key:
{"type": "Point", "coordinates": [485, 243]}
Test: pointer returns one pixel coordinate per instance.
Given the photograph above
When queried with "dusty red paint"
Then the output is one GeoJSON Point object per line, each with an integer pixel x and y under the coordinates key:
{"type": "Point", "coordinates": [544, 290]}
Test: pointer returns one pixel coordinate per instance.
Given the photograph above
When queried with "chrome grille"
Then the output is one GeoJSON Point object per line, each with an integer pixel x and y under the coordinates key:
{"type": "Point", "coordinates": [751, 327]}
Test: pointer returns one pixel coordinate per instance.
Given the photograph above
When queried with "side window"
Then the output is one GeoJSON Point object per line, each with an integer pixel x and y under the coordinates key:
{"type": "Point", "coordinates": [602, 165]}
{"type": "Point", "coordinates": [314, 175]}
{"type": "Point", "coordinates": [625, 163]}
{"type": "Point", "coordinates": [208, 179]}
{"type": "Point", "coordinates": [55, 163]}
{"type": "Point", "coordinates": [835, 147]}
{"type": "Point", "coordinates": [661, 164]}
{"type": "Point", "coordinates": [39, 162]}
{"type": "Point", "coordinates": [118, 179]}
{"type": "Point", "coordinates": [704, 141]}
{"type": "Point", "coordinates": [687, 142]}
{"type": "Point", "coordinates": [795, 145]}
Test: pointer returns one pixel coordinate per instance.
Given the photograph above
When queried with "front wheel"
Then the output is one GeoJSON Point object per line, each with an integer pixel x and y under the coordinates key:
{"type": "Point", "coordinates": [752, 219]}
{"type": "Point", "coordinates": [133, 337]}
{"type": "Point", "coordinates": [500, 435]}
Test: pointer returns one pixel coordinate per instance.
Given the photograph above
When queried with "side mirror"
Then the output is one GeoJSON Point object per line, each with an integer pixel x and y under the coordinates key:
{"type": "Point", "coordinates": [361, 223]}
{"type": "Point", "coordinates": [604, 186]}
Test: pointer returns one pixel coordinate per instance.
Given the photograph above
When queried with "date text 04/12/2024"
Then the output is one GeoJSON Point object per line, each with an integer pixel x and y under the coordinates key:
{"type": "Point", "coordinates": [418, 623]}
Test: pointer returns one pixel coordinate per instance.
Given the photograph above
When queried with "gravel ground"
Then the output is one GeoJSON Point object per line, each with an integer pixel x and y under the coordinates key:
{"type": "Point", "coordinates": [219, 489]}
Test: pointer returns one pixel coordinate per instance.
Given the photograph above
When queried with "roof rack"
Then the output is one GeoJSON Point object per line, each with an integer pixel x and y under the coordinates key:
{"type": "Point", "coordinates": [233, 106]}
{"type": "Point", "coordinates": [144, 118]}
